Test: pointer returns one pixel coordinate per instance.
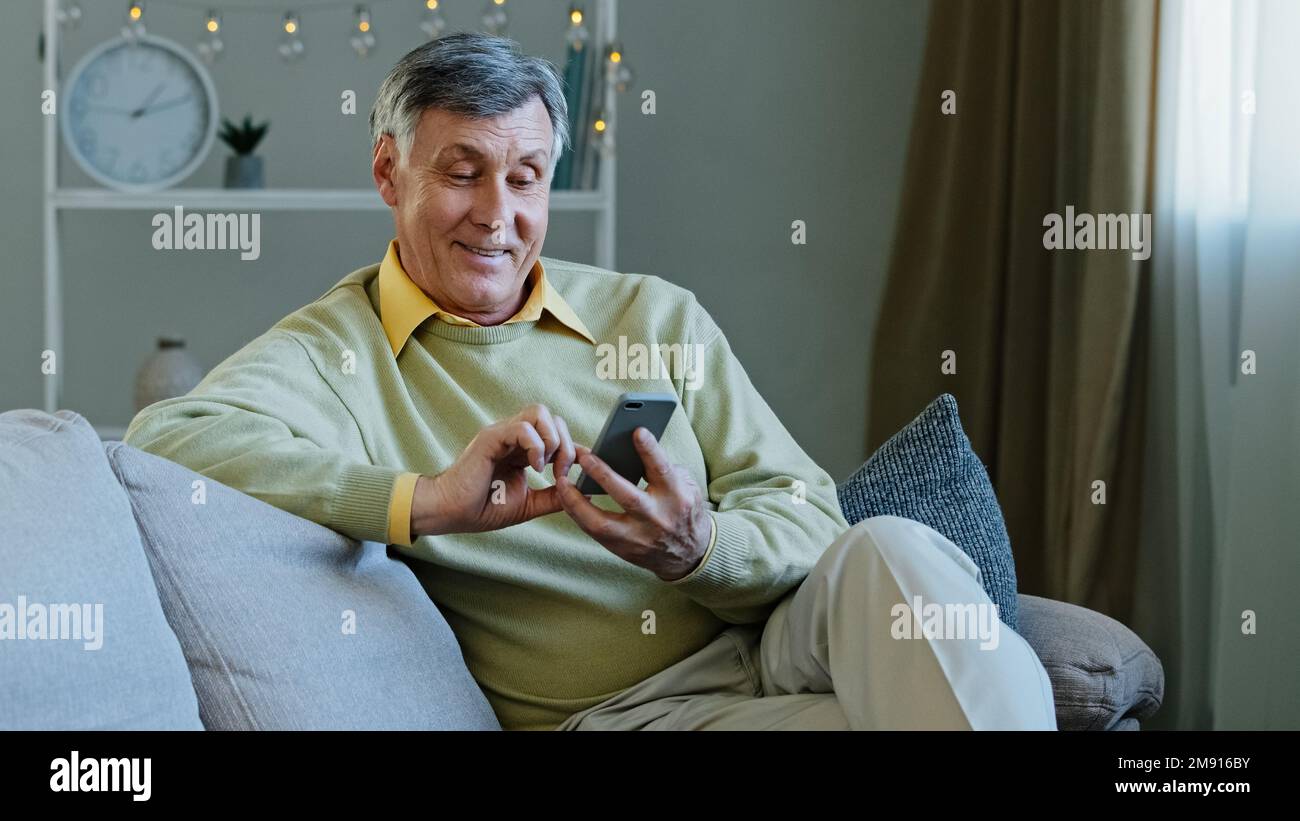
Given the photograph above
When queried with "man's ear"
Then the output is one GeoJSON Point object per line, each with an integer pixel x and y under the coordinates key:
{"type": "Point", "coordinates": [384, 166]}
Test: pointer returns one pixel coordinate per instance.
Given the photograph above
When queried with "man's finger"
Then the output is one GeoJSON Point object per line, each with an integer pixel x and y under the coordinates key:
{"type": "Point", "coordinates": [630, 497]}
{"type": "Point", "coordinates": [523, 436]}
{"type": "Point", "coordinates": [566, 454]}
{"type": "Point", "coordinates": [544, 421]}
{"type": "Point", "coordinates": [599, 524]}
{"type": "Point", "coordinates": [542, 503]}
{"type": "Point", "coordinates": [658, 467]}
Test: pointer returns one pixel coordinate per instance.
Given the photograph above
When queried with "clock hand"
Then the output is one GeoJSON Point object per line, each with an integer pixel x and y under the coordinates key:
{"type": "Point", "coordinates": [111, 108]}
{"type": "Point", "coordinates": [169, 104]}
{"type": "Point", "coordinates": [153, 95]}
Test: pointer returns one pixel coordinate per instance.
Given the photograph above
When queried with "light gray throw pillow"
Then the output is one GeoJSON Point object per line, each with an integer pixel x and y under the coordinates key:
{"type": "Point", "coordinates": [1104, 677]}
{"type": "Point", "coordinates": [289, 625]}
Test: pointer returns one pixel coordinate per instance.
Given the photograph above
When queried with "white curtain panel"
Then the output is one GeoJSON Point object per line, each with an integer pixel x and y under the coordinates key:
{"type": "Point", "coordinates": [1221, 536]}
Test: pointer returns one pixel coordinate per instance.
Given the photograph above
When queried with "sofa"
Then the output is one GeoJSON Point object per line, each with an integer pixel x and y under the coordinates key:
{"type": "Point", "coordinates": [142, 595]}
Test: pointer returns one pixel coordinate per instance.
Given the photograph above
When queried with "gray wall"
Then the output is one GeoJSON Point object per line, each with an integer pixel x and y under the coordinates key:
{"type": "Point", "coordinates": [768, 112]}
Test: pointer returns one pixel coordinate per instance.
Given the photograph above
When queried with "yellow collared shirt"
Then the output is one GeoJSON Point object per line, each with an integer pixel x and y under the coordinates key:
{"type": "Point", "coordinates": [404, 306]}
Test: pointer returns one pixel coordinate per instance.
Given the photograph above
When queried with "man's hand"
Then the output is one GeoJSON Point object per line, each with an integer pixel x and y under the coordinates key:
{"type": "Point", "coordinates": [487, 488]}
{"type": "Point", "coordinates": [666, 527]}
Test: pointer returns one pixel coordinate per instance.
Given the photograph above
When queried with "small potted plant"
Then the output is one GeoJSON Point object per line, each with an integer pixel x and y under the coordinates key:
{"type": "Point", "coordinates": [243, 170]}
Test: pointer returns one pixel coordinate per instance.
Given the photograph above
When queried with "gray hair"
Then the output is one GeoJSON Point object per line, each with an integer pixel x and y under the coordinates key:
{"type": "Point", "coordinates": [469, 73]}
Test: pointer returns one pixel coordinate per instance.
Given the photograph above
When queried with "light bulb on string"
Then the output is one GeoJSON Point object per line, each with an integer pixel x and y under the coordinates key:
{"type": "Point", "coordinates": [602, 136]}
{"type": "Point", "coordinates": [433, 24]}
{"type": "Point", "coordinates": [495, 19]}
{"type": "Point", "coordinates": [363, 39]}
{"type": "Point", "coordinates": [134, 28]}
{"type": "Point", "coordinates": [69, 14]}
{"type": "Point", "coordinates": [210, 47]}
{"type": "Point", "coordinates": [617, 72]}
{"type": "Point", "coordinates": [578, 34]}
{"type": "Point", "coordinates": [291, 45]}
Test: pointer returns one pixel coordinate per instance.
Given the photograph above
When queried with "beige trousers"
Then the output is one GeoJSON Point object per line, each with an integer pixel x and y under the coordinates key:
{"type": "Point", "coordinates": [891, 629]}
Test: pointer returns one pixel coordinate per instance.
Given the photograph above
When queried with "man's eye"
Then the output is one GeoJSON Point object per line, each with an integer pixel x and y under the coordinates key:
{"type": "Point", "coordinates": [523, 182]}
{"type": "Point", "coordinates": [462, 177]}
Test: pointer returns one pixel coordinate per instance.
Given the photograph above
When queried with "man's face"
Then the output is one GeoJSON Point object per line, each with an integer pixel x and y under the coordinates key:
{"type": "Point", "coordinates": [471, 184]}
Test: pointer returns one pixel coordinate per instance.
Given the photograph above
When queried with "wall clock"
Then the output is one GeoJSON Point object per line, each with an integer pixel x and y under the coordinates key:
{"type": "Point", "coordinates": [138, 114]}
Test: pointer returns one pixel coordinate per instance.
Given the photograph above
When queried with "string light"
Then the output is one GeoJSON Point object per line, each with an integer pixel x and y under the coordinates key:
{"type": "Point", "coordinates": [618, 72]}
{"type": "Point", "coordinates": [433, 24]}
{"type": "Point", "coordinates": [134, 28]}
{"type": "Point", "coordinates": [363, 38]}
{"type": "Point", "coordinates": [210, 47]}
{"type": "Point", "coordinates": [577, 34]}
{"type": "Point", "coordinates": [291, 45]}
{"type": "Point", "coordinates": [69, 15]}
{"type": "Point", "coordinates": [602, 137]}
{"type": "Point", "coordinates": [495, 18]}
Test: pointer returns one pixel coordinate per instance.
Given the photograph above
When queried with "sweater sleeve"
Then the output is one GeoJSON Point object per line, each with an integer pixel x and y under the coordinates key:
{"type": "Point", "coordinates": [266, 422]}
{"type": "Point", "coordinates": [776, 509]}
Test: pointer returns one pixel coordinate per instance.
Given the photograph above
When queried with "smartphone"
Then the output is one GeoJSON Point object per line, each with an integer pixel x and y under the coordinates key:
{"type": "Point", "coordinates": [614, 445]}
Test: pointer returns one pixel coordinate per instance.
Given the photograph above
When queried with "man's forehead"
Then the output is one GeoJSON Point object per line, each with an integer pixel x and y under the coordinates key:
{"type": "Point", "coordinates": [464, 150]}
{"type": "Point", "coordinates": [526, 131]}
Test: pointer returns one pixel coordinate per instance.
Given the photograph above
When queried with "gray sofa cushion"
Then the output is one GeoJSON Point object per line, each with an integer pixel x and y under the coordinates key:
{"type": "Point", "coordinates": [67, 539]}
{"type": "Point", "coordinates": [1103, 676]}
{"type": "Point", "coordinates": [290, 625]}
{"type": "Point", "coordinates": [927, 472]}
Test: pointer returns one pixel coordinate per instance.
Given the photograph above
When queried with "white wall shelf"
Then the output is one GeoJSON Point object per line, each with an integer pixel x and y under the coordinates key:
{"type": "Point", "coordinates": [601, 201]}
{"type": "Point", "coordinates": [284, 199]}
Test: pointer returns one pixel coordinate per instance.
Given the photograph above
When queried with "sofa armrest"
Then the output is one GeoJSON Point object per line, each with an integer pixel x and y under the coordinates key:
{"type": "Point", "coordinates": [1103, 676]}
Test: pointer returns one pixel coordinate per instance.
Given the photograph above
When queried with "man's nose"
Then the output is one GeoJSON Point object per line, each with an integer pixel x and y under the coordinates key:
{"type": "Point", "coordinates": [491, 209]}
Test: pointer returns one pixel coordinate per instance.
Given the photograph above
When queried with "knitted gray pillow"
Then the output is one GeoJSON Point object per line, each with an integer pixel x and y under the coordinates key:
{"type": "Point", "coordinates": [927, 472]}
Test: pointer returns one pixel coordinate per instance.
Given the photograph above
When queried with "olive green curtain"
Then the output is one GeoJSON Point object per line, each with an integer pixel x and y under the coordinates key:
{"type": "Point", "coordinates": [1054, 108]}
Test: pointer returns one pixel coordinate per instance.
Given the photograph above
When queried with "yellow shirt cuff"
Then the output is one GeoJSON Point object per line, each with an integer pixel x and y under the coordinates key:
{"type": "Point", "coordinates": [399, 509]}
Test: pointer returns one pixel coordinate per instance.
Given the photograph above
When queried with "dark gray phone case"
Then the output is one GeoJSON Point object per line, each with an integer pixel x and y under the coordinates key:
{"type": "Point", "coordinates": [614, 445]}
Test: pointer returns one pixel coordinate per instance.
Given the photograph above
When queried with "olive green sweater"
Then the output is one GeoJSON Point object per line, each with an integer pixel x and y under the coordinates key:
{"type": "Point", "coordinates": [318, 417]}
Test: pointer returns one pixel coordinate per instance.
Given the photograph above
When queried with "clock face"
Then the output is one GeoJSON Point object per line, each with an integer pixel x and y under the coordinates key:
{"type": "Point", "coordinates": [139, 116]}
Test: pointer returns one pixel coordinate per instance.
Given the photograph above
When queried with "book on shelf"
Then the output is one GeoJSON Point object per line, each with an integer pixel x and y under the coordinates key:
{"type": "Point", "coordinates": [575, 70]}
{"type": "Point", "coordinates": [593, 94]}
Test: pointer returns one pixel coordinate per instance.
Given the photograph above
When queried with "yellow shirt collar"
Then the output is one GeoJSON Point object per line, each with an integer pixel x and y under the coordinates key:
{"type": "Point", "coordinates": [403, 307]}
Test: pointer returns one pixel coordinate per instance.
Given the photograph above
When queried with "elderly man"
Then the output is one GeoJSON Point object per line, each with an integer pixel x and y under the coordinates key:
{"type": "Point", "coordinates": [438, 400]}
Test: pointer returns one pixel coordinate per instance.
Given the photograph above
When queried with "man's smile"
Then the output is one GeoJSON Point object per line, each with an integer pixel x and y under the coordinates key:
{"type": "Point", "coordinates": [483, 252]}
{"type": "Point", "coordinates": [484, 260]}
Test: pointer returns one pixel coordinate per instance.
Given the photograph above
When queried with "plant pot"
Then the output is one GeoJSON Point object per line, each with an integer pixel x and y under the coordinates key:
{"type": "Point", "coordinates": [244, 171]}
